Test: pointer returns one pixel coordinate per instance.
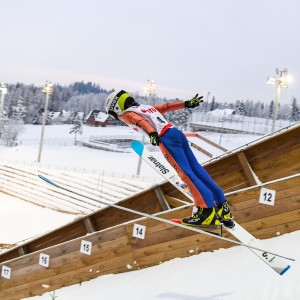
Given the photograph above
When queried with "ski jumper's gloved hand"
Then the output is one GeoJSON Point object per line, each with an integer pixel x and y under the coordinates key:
{"type": "Point", "coordinates": [154, 138]}
{"type": "Point", "coordinates": [193, 102]}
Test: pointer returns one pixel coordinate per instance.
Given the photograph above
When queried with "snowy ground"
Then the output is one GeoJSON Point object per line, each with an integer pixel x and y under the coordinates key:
{"type": "Point", "coordinates": [233, 274]}
{"type": "Point", "coordinates": [59, 150]}
{"type": "Point", "coordinates": [225, 274]}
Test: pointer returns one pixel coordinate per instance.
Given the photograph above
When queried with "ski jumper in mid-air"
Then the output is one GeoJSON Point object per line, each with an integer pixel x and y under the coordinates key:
{"type": "Point", "coordinates": [211, 207]}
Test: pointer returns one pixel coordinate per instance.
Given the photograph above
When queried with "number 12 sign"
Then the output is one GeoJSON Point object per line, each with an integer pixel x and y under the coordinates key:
{"type": "Point", "coordinates": [267, 196]}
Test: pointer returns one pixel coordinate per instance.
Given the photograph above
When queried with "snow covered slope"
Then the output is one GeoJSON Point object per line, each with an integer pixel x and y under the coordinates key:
{"type": "Point", "coordinates": [22, 182]}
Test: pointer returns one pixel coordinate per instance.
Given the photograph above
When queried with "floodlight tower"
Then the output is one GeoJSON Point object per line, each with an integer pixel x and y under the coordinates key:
{"type": "Point", "coordinates": [48, 90]}
{"type": "Point", "coordinates": [150, 89]}
{"type": "Point", "coordinates": [279, 82]}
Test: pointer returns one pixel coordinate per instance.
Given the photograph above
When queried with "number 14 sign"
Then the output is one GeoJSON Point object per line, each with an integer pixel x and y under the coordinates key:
{"type": "Point", "coordinates": [139, 231]}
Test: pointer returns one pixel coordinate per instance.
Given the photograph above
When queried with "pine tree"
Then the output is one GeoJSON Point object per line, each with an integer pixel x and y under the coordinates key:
{"type": "Point", "coordinates": [261, 111]}
{"type": "Point", "coordinates": [271, 109]}
{"type": "Point", "coordinates": [19, 110]}
{"type": "Point", "coordinates": [77, 127]}
{"type": "Point", "coordinates": [213, 105]}
{"type": "Point", "coordinates": [12, 129]}
{"type": "Point", "coordinates": [294, 114]}
{"type": "Point", "coordinates": [240, 108]}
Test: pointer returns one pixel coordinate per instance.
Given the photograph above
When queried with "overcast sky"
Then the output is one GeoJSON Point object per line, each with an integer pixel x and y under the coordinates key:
{"type": "Point", "coordinates": [226, 48]}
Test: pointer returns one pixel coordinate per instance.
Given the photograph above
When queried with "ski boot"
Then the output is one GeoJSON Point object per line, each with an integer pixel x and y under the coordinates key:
{"type": "Point", "coordinates": [224, 214]}
{"type": "Point", "coordinates": [201, 217]}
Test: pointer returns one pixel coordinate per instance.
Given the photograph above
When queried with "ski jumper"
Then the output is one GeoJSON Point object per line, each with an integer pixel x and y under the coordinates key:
{"type": "Point", "coordinates": [175, 148]}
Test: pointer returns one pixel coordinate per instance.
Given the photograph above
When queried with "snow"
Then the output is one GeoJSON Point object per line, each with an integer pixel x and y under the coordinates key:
{"type": "Point", "coordinates": [59, 149]}
{"type": "Point", "coordinates": [21, 218]}
{"type": "Point", "coordinates": [229, 274]}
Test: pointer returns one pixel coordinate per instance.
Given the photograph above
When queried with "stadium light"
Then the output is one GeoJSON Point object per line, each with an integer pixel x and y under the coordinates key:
{"type": "Point", "coordinates": [206, 105]}
{"type": "Point", "coordinates": [150, 89]}
{"type": "Point", "coordinates": [281, 81]}
{"type": "Point", "coordinates": [48, 90]}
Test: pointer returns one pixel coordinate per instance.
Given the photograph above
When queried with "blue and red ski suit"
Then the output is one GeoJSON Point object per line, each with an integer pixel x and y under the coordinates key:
{"type": "Point", "coordinates": [175, 148]}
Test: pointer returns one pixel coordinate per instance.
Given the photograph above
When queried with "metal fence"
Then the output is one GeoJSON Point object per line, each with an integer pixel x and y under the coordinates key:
{"type": "Point", "coordinates": [245, 124]}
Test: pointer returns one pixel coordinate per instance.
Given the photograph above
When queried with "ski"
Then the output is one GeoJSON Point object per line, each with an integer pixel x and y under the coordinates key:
{"type": "Point", "coordinates": [276, 262]}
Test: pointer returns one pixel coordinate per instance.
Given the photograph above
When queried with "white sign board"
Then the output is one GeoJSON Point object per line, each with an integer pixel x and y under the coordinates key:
{"type": "Point", "coordinates": [44, 260]}
{"type": "Point", "coordinates": [6, 272]}
{"type": "Point", "coordinates": [139, 231]}
{"type": "Point", "coordinates": [267, 196]}
{"type": "Point", "coordinates": [86, 247]}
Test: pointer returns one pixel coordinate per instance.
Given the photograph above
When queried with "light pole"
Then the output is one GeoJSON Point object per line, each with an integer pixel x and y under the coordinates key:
{"type": "Point", "coordinates": [150, 91]}
{"type": "Point", "coordinates": [48, 89]}
{"type": "Point", "coordinates": [3, 90]}
{"type": "Point", "coordinates": [206, 106]}
{"type": "Point", "coordinates": [279, 82]}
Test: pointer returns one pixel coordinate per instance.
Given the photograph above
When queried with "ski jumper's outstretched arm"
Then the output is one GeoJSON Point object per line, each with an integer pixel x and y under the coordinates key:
{"type": "Point", "coordinates": [137, 120]}
{"type": "Point", "coordinates": [169, 106]}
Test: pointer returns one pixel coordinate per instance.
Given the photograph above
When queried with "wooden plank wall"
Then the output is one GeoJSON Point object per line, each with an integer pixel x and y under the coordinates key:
{"type": "Point", "coordinates": [115, 249]}
{"type": "Point", "coordinates": [266, 221]}
{"type": "Point", "coordinates": [270, 159]}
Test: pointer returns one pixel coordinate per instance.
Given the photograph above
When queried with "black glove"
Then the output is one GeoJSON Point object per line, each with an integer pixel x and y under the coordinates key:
{"type": "Point", "coordinates": [154, 138]}
{"type": "Point", "coordinates": [193, 102]}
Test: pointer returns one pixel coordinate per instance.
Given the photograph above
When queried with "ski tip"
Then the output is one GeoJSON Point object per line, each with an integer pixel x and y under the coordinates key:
{"type": "Point", "coordinates": [138, 147]}
{"type": "Point", "coordinates": [45, 179]}
{"type": "Point", "coordinates": [178, 221]}
{"type": "Point", "coordinates": [284, 270]}
{"type": "Point", "coordinates": [42, 177]}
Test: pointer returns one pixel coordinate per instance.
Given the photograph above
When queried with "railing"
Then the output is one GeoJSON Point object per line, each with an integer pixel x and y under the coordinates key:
{"type": "Point", "coordinates": [244, 124]}
{"type": "Point", "coordinates": [78, 169]}
{"type": "Point", "coordinates": [69, 141]}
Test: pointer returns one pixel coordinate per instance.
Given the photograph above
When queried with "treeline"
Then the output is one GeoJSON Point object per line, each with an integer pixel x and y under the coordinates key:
{"type": "Point", "coordinates": [24, 102]}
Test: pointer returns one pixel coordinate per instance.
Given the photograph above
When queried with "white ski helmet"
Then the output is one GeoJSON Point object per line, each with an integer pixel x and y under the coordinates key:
{"type": "Point", "coordinates": [117, 102]}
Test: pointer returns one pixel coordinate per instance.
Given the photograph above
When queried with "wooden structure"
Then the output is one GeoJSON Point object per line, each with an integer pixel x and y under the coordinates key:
{"type": "Point", "coordinates": [272, 162]}
{"type": "Point", "coordinates": [92, 119]}
{"type": "Point", "coordinates": [205, 140]}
